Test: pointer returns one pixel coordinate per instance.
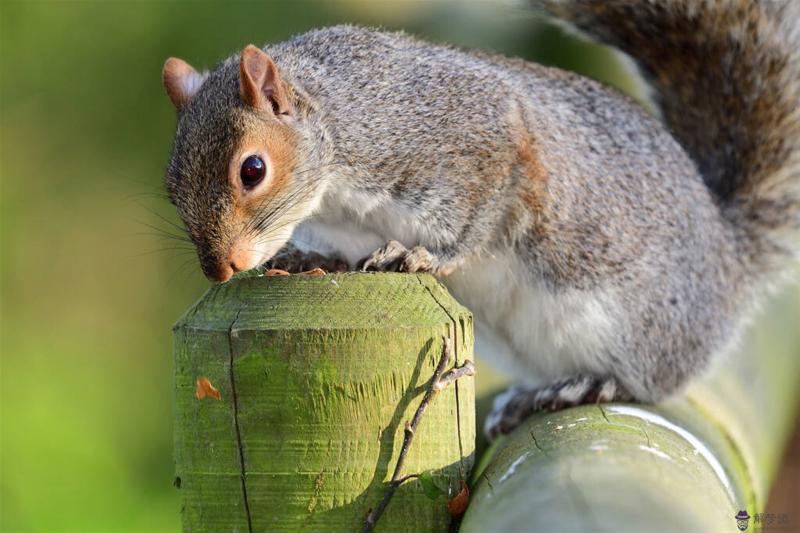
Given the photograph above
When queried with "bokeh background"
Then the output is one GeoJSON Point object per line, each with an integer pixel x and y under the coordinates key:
{"type": "Point", "coordinates": [90, 283]}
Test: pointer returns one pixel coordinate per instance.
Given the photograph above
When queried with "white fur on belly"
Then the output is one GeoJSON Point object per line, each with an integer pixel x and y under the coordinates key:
{"type": "Point", "coordinates": [534, 333]}
{"type": "Point", "coordinates": [355, 224]}
{"type": "Point", "coordinates": [350, 241]}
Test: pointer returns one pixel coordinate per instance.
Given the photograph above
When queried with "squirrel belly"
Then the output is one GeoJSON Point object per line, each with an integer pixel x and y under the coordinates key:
{"type": "Point", "coordinates": [535, 333]}
{"type": "Point", "coordinates": [603, 252]}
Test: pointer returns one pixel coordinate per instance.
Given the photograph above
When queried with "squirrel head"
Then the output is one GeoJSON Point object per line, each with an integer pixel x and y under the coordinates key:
{"type": "Point", "coordinates": [232, 172]}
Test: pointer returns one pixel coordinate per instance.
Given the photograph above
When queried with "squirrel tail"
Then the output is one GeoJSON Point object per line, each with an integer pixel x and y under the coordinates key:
{"type": "Point", "coordinates": [726, 77]}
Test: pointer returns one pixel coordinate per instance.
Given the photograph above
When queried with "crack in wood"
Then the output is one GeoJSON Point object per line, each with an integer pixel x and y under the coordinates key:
{"type": "Point", "coordinates": [243, 469]}
{"type": "Point", "coordinates": [536, 444]}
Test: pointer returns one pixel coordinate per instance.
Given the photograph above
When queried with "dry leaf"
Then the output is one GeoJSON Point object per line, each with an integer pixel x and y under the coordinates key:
{"type": "Point", "coordinates": [314, 272]}
{"type": "Point", "coordinates": [457, 506]}
{"type": "Point", "coordinates": [205, 388]}
{"type": "Point", "coordinates": [276, 272]}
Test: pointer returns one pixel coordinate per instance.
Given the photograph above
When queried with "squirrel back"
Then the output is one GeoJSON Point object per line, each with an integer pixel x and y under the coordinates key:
{"type": "Point", "coordinates": [725, 75]}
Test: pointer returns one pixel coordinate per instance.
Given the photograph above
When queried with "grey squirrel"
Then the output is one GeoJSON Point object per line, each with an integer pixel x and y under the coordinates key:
{"type": "Point", "coordinates": [606, 254]}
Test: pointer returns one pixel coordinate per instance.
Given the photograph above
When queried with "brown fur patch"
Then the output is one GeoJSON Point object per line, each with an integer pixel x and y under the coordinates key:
{"type": "Point", "coordinates": [534, 189]}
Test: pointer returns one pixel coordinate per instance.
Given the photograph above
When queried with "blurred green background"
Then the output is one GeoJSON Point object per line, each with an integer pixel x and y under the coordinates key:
{"type": "Point", "coordinates": [89, 289]}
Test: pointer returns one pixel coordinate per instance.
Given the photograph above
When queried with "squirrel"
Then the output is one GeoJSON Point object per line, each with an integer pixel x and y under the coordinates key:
{"type": "Point", "coordinates": [606, 254]}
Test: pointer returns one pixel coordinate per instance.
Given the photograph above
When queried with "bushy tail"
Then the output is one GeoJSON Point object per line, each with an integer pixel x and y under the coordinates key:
{"type": "Point", "coordinates": [726, 76]}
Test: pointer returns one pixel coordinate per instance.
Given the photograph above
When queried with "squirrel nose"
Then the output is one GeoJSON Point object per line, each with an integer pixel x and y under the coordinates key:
{"type": "Point", "coordinates": [224, 272]}
{"type": "Point", "coordinates": [239, 260]}
{"type": "Point", "coordinates": [224, 268]}
{"type": "Point", "coordinates": [234, 268]}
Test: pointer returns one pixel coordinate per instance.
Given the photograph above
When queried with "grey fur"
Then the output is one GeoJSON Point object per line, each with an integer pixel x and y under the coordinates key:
{"type": "Point", "coordinates": [486, 156]}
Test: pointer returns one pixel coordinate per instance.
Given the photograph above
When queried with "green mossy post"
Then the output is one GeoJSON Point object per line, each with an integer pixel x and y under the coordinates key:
{"type": "Point", "coordinates": [317, 377]}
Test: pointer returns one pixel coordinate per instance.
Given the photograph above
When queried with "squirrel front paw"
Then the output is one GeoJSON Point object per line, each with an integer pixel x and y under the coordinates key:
{"type": "Point", "coordinates": [394, 257]}
{"type": "Point", "coordinates": [515, 405]}
{"type": "Point", "coordinates": [295, 261]}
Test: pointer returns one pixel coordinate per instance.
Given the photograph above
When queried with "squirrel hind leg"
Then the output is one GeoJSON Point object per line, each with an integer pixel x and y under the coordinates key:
{"type": "Point", "coordinates": [512, 407]}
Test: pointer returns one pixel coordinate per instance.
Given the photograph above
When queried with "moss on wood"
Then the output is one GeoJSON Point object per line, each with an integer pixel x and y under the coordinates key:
{"type": "Point", "coordinates": [317, 376]}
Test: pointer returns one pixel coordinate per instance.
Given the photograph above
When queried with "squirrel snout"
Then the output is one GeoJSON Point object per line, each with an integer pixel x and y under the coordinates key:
{"type": "Point", "coordinates": [218, 271]}
{"type": "Point", "coordinates": [224, 273]}
{"type": "Point", "coordinates": [223, 269]}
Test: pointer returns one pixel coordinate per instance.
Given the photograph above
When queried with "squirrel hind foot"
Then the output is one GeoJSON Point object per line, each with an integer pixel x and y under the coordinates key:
{"type": "Point", "coordinates": [512, 407]}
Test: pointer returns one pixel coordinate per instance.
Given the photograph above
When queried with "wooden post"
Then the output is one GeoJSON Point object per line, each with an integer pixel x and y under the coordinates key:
{"type": "Point", "coordinates": [316, 377]}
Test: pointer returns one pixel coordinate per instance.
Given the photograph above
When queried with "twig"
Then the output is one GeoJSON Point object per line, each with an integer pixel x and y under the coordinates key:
{"type": "Point", "coordinates": [439, 381]}
{"type": "Point", "coordinates": [467, 369]}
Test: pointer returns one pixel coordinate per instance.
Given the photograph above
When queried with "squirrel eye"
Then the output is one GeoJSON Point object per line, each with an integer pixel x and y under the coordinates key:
{"type": "Point", "coordinates": [253, 171]}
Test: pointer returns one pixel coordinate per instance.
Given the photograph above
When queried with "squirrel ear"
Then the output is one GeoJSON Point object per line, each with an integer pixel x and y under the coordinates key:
{"type": "Point", "coordinates": [260, 84]}
{"type": "Point", "coordinates": [181, 81]}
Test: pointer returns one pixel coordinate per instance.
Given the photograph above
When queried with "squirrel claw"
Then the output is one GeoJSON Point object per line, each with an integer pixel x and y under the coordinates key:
{"type": "Point", "coordinates": [314, 272]}
{"type": "Point", "coordinates": [394, 257]}
{"type": "Point", "coordinates": [385, 259]}
{"type": "Point", "coordinates": [275, 272]}
{"type": "Point", "coordinates": [417, 260]}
